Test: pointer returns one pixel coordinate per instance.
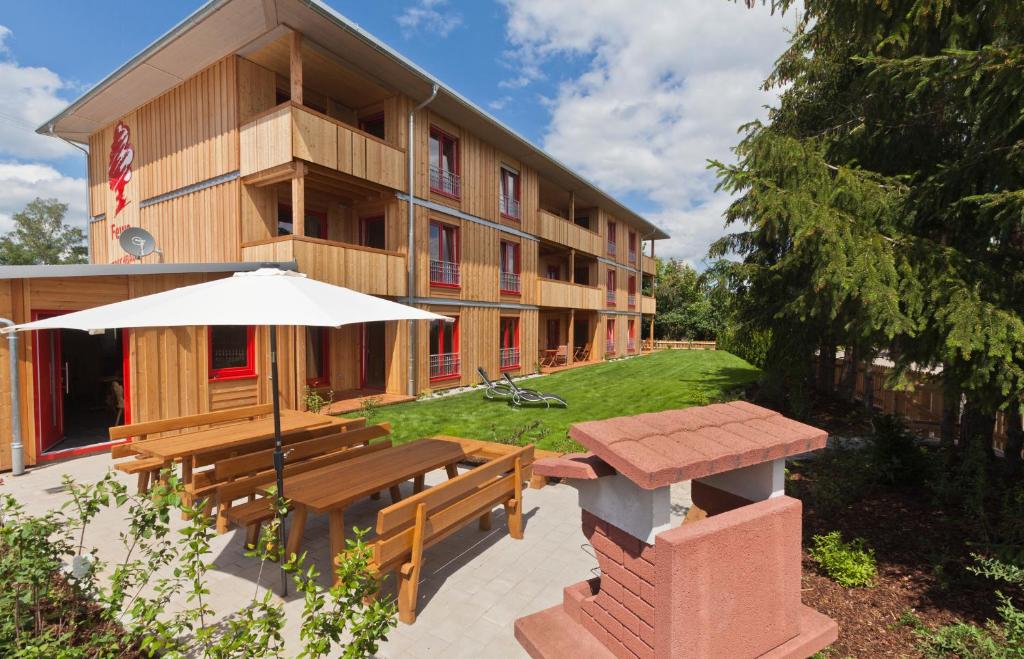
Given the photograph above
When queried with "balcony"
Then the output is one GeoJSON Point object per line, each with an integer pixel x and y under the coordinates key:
{"type": "Point", "coordinates": [509, 358]}
{"type": "Point", "coordinates": [445, 366]}
{"type": "Point", "coordinates": [363, 269]}
{"type": "Point", "coordinates": [610, 298]}
{"type": "Point", "coordinates": [648, 265]}
{"type": "Point", "coordinates": [509, 206]}
{"type": "Point", "coordinates": [566, 295]}
{"type": "Point", "coordinates": [510, 283]}
{"type": "Point", "coordinates": [559, 230]}
{"type": "Point", "coordinates": [648, 304]}
{"type": "Point", "coordinates": [444, 182]}
{"type": "Point", "coordinates": [445, 273]}
{"type": "Point", "coordinates": [291, 131]}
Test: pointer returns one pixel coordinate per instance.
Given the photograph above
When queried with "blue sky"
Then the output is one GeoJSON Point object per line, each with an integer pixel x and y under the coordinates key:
{"type": "Point", "coordinates": [636, 95]}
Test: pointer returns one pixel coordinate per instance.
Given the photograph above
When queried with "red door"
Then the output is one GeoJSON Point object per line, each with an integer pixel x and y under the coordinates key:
{"type": "Point", "coordinates": [49, 387]}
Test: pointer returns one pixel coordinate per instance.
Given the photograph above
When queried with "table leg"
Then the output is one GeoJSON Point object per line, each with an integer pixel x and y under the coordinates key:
{"type": "Point", "coordinates": [336, 525]}
{"type": "Point", "coordinates": [396, 494]}
{"type": "Point", "coordinates": [298, 524]}
{"type": "Point", "coordinates": [452, 470]}
{"type": "Point", "coordinates": [417, 484]}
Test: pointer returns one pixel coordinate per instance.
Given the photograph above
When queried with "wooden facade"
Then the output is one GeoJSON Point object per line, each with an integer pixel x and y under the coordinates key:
{"type": "Point", "coordinates": [288, 135]}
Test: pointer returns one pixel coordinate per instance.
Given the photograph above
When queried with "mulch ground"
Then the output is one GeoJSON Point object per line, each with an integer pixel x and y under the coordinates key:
{"type": "Point", "coordinates": [920, 554]}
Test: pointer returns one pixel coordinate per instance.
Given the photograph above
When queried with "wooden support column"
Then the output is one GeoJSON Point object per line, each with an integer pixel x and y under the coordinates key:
{"type": "Point", "coordinates": [572, 206]}
{"type": "Point", "coordinates": [572, 330]}
{"type": "Point", "coordinates": [299, 200]}
{"type": "Point", "coordinates": [572, 266]}
{"type": "Point", "coordinates": [295, 66]}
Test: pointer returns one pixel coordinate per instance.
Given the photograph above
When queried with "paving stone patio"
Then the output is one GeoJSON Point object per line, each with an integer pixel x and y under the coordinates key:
{"type": "Point", "coordinates": [475, 584]}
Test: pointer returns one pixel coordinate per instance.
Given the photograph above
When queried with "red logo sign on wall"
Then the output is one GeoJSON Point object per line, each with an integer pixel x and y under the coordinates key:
{"type": "Point", "coordinates": [119, 169]}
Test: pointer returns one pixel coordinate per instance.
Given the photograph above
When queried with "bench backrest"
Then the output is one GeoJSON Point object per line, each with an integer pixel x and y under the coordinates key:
{"type": "Point", "coordinates": [287, 438]}
{"type": "Point", "coordinates": [443, 509]}
{"type": "Point", "coordinates": [143, 430]}
{"type": "Point", "coordinates": [246, 485]}
{"type": "Point", "coordinates": [257, 461]}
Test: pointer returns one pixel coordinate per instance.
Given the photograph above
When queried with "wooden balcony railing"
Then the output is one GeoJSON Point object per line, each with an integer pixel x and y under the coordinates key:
{"type": "Point", "coordinates": [566, 295]}
{"type": "Point", "coordinates": [562, 231]}
{"type": "Point", "coordinates": [648, 304]}
{"type": "Point", "coordinates": [291, 131]}
{"type": "Point", "coordinates": [362, 269]}
{"type": "Point", "coordinates": [648, 265]}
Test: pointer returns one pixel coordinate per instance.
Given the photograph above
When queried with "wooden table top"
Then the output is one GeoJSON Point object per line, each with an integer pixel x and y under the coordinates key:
{"type": "Point", "coordinates": [230, 436]}
{"type": "Point", "coordinates": [338, 485]}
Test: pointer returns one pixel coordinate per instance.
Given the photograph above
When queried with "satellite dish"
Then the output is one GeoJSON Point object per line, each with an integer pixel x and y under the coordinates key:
{"type": "Point", "coordinates": [137, 241]}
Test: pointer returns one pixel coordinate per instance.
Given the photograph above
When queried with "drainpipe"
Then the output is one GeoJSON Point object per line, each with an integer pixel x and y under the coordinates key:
{"type": "Point", "coordinates": [17, 450]}
{"type": "Point", "coordinates": [411, 283]}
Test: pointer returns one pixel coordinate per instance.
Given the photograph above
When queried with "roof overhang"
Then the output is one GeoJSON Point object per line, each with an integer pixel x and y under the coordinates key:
{"type": "Point", "coordinates": [114, 270]}
{"type": "Point", "coordinates": [223, 27]}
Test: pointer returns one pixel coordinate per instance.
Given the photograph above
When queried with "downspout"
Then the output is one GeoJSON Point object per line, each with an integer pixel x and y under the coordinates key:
{"type": "Point", "coordinates": [411, 283]}
{"type": "Point", "coordinates": [17, 450]}
{"type": "Point", "coordinates": [88, 192]}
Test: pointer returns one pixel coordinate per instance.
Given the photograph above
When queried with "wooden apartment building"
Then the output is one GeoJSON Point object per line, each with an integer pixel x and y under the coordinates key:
{"type": "Point", "coordinates": [277, 131]}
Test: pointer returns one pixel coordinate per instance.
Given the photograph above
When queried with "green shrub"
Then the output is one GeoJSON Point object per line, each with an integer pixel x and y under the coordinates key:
{"type": "Point", "coordinates": [1003, 639]}
{"type": "Point", "coordinates": [848, 564]}
{"type": "Point", "coordinates": [897, 458]}
{"type": "Point", "coordinates": [838, 477]}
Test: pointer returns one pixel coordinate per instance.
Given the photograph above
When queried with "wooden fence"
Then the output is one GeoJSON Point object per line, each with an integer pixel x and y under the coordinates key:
{"type": "Point", "coordinates": [684, 345]}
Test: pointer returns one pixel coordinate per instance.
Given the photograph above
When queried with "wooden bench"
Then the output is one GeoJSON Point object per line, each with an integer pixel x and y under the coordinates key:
{"type": "Point", "coordinates": [481, 451]}
{"type": "Point", "coordinates": [149, 468]}
{"type": "Point", "coordinates": [248, 475]}
{"type": "Point", "coordinates": [406, 528]}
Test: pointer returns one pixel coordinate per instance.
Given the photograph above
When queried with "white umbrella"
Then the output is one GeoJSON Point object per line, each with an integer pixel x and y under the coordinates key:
{"type": "Point", "coordinates": [267, 296]}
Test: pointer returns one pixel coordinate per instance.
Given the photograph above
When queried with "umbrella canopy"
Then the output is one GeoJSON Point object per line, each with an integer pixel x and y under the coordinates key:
{"type": "Point", "coordinates": [267, 296]}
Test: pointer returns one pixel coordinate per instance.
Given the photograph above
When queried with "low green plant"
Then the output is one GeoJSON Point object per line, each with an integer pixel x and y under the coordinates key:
{"type": "Point", "coordinates": [316, 401]}
{"type": "Point", "coordinates": [530, 433]}
{"type": "Point", "coordinates": [54, 602]}
{"type": "Point", "coordinates": [850, 564]}
{"type": "Point", "coordinates": [370, 407]}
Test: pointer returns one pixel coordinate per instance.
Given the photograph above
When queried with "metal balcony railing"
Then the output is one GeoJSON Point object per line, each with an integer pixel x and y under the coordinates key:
{"type": "Point", "coordinates": [445, 182]}
{"type": "Point", "coordinates": [445, 273]}
{"type": "Point", "coordinates": [631, 300]}
{"type": "Point", "coordinates": [610, 298]}
{"type": "Point", "coordinates": [509, 206]}
{"type": "Point", "coordinates": [611, 248]}
{"type": "Point", "coordinates": [445, 365]}
{"type": "Point", "coordinates": [609, 347]}
{"type": "Point", "coordinates": [632, 257]}
{"type": "Point", "coordinates": [510, 282]}
{"type": "Point", "coordinates": [509, 357]}
{"type": "Point", "coordinates": [631, 345]}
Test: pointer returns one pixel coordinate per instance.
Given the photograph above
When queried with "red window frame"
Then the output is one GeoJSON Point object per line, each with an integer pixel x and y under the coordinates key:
{"type": "Point", "coordinates": [506, 174]}
{"type": "Point", "coordinates": [612, 287]}
{"type": "Point", "coordinates": [373, 118]}
{"type": "Point", "coordinates": [632, 247]}
{"type": "Point", "coordinates": [442, 137]}
{"type": "Point", "coordinates": [321, 222]}
{"type": "Point", "coordinates": [609, 336]}
{"type": "Point", "coordinates": [504, 248]}
{"type": "Point", "coordinates": [235, 372]}
{"type": "Point", "coordinates": [631, 334]}
{"type": "Point", "coordinates": [510, 340]}
{"type": "Point", "coordinates": [453, 232]}
{"type": "Point", "coordinates": [453, 349]}
{"type": "Point", "coordinates": [631, 291]}
{"type": "Point", "coordinates": [325, 357]}
{"type": "Point", "coordinates": [611, 238]}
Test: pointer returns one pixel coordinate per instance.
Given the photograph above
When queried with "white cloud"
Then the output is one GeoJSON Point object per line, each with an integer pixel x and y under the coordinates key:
{"type": "Point", "coordinates": [431, 16]}
{"type": "Point", "coordinates": [666, 85]}
{"type": "Point", "coordinates": [29, 96]}
{"type": "Point", "coordinates": [20, 183]}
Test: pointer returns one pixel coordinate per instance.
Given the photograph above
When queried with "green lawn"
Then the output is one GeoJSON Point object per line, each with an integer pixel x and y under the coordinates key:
{"type": "Point", "coordinates": [660, 381]}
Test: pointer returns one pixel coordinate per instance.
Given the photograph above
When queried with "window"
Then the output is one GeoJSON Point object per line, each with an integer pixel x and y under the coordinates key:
{"type": "Point", "coordinates": [554, 272]}
{"type": "Point", "coordinates": [374, 125]}
{"type": "Point", "coordinates": [632, 291]}
{"type": "Point", "coordinates": [611, 239]}
{"type": "Point", "coordinates": [632, 247]}
{"type": "Point", "coordinates": [371, 232]}
{"type": "Point", "coordinates": [444, 350]}
{"type": "Point", "coordinates": [609, 337]}
{"type": "Point", "coordinates": [444, 164]}
{"type": "Point", "coordinates": [444, 255]}
{"type": "Point", "coordinates": [316, 222]}
{"type": "Point", "coordinates": [509, 270]}
{"type": "Point", "coordinates": [631, 335]}
{"type": "Point", "coordinates": [318, 356]}
{"type": "Point", "coordinates": [232, 352]}
{"type": "Point", "coordinates": [509, 198]}
{"type": "Point", "coordinates": [509, 343]}
{"type": "Point", "coordinates": [611, 288]}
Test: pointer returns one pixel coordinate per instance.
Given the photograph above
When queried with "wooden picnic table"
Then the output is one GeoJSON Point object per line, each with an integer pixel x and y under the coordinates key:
{"type": "Point", "coordinates": [187, 446]}
{"type": "Point", "coordinates": [333, 488]}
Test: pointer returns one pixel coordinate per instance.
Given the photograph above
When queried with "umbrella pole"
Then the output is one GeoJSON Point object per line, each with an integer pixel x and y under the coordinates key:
{"type": "Point", "coordinates": [278, 454]}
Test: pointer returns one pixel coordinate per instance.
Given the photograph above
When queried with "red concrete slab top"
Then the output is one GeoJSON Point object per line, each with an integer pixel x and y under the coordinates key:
{"type": "Point", "coordinates": [661, 448]}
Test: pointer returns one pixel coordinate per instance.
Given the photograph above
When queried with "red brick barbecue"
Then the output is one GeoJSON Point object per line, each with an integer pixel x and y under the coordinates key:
{"type": "Point", "coordinates": [724, 583]}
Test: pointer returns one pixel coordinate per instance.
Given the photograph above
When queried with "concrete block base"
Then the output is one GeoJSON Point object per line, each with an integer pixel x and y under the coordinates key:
{"type": "Point", "coordinates": [817, 632]}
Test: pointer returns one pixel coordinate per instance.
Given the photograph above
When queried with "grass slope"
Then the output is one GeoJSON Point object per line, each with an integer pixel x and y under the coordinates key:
{"type": "Point", "coordinates": [651, 383]}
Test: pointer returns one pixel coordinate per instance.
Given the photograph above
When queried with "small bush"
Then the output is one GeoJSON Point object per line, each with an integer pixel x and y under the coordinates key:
{"type": "Point", "coordinates": [897, 458]}
{"type": "Point", "coordinates": [838, 477]}
{"type": "Point", "coordinates": [1001, 639]}
{"type": "Point", "coordinates": [850, 564]}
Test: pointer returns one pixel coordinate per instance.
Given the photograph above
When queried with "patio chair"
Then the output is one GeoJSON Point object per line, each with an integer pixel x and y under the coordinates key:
{"type": "Point", "coordinates": [494, 388]}
{"type": "Point", "coordinates": [520, 396]}
{"type": "Point", "coordinates": [582, 353]}
{"type": "Point", "coordinates": [561, 356]}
